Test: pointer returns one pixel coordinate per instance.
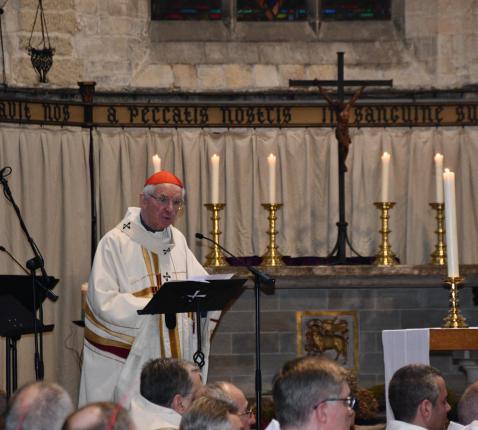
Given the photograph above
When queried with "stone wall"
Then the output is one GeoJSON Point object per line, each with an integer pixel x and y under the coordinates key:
{"type": "Point", "coordinates": [232, 355]}
{"type": "Point", "coordinates": [428, 44]}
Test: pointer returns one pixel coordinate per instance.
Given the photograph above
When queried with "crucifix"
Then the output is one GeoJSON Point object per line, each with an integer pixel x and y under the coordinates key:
{"type": "Point", "coordinates": [342, 113]}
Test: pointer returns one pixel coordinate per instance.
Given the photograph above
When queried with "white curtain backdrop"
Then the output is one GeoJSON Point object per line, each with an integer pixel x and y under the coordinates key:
{"type": "Point", "coordinates": [50, 182]}
{"type": "Point", "coordinates": [307, 185]}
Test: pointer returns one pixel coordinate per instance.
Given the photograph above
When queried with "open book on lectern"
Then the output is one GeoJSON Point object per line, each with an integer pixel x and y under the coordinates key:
{"type": "Point", "coordinates": [175, 297]}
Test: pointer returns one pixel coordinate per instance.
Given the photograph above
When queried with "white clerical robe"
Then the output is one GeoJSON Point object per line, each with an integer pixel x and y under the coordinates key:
{"type": "Point", "coordinates": [130, 264]}
{"type": "Point", "coordinates": [149, 416]}
{"type": "Point", "coordinates": [401, 425]}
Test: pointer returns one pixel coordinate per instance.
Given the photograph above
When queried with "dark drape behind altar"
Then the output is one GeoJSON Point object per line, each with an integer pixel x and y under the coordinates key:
{"type": "Point", "coordinates": [51, 183]}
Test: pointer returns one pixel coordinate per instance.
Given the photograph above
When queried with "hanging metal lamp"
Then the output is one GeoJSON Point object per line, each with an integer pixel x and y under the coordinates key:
{"type": "Point", "coordinates": [42, 57]}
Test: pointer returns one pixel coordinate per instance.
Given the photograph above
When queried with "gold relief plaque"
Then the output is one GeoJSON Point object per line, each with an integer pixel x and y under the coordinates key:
{"type": "Point", "coordinates": [330, 333]}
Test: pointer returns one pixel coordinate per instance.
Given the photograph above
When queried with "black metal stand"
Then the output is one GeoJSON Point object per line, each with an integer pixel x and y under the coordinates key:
{"type": "Point", "coordinates": [17, 319]}
{"type": "Point", "coordinates": [260, 278]}
{"type": "Point", "coordinates": [338, 252]}
{"type": "Point", "coordinates": [11, 364]}
{"type": "Point", "coordinates": [33, 265]}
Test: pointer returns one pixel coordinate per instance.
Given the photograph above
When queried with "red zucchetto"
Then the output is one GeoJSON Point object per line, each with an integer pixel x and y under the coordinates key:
{"type": "Point", "coordinates": [163, 177]}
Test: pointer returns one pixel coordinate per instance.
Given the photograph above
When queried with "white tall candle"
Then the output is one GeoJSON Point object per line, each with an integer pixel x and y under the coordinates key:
{"type": "Point", "coordinates": [439, 177]}
{"type": "Point", "coordinates": [271, 160]}
{"type": "Point", "coordinates": [385, 176]}
{"type": "Point", "coordinates": [215, 178]}
{"type": "Point", "coordinates": [156, 163]}
{"type": "Point", "coordinates": [450, 224]}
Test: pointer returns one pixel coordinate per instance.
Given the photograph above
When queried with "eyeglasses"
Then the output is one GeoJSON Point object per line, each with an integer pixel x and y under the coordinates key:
{"type": "Point", "coordinates": [165, 201]}
{"type": "Point", "coordinates": [350, 401]}
{"type": "Point", "coordinates": [249, 412]}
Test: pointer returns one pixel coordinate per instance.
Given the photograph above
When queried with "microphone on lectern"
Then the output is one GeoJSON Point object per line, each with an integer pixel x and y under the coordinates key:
{"type": "Point", "coordinates": [264, 278]}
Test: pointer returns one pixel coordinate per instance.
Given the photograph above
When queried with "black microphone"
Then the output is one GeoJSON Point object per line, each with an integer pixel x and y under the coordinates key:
{"type": "Point", "coordinates": [6, 251]}
{"type": "Point", "coordinates": [6, 169]}
{"type": "Point", "coordinates": [266, 279]}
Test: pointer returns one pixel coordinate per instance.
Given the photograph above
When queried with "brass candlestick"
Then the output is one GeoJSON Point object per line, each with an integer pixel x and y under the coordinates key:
{"type": "Point", "coordinates": [385, 256]}
{"type": "Point", "coordinates": [454, 319]}
{"type": "Point", "coordinates": [215, 258]}
{"type": "Point", "coordinates": [272, 256]}
{"type": "Point", "coordinates": [439, 255]}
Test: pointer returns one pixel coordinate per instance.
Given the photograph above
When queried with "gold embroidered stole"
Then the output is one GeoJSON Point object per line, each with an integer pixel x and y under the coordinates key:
{"type": "Point", "coordinates": [154, 273]}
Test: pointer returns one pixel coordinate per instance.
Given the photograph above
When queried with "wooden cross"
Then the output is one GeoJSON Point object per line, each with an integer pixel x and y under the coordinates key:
{"type": "Point", "coordinates": [342, 111]}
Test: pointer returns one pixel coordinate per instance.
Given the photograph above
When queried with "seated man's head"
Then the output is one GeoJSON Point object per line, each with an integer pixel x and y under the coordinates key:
{"type": "Point", "coordinates": [169, 382]}
{"type": "Point", "coordinates": [312, 393]}
{"type": "Point", "coordinates": [39, 406]}
{"type": "Point", "coordinates": [233, 395]}
{"type": "Point", "coordinates": [99, 416]}
{"type": "Point", "coordinates": [207, 413]}
{"type": "Point", "coordinates": [468, 405]}
{"type": "Point", "coordinates": [417, 395]}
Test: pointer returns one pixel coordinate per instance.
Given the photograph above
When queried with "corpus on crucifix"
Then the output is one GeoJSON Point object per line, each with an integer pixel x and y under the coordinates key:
{"type": "Point", "coordinates": [342, 111]}
{"type": "Point", "coordinates": [342, 128]}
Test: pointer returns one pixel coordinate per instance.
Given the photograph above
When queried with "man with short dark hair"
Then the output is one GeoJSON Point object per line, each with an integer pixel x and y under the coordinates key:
{"type": "Point", "coordinates": [207, 413]}
{"type": "Point", "coordinates": [234, 396]}
{"type": "Point", "coordinates": [99, 416]}
{"type": "Point", "coordinates": [167, 389]}
{"type": "Point", "coordinates": [418, 398]}
{"type": "Point", "coordinates": [38, 406]}
{"type": "Point", "coordinates": [311, 393]}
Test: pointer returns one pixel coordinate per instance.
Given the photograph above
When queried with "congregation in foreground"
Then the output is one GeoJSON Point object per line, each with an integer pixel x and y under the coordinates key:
{"type": "Point", "coordinates": [308, 393]}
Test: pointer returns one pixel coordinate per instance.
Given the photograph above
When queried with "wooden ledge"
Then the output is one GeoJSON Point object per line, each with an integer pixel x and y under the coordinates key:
{"type": "Point", "coordinates": [353, 277]}
{"type": "Point", "coordinates": [447, 339]}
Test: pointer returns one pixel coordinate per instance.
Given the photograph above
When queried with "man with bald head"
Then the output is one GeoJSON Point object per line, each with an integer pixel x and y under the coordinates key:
{"type": "Point", "coordinates": [467, 410]}
{"type": "Point", "coordinates": [208, 413]}
{"type": "Point", "coordinates": [131, 263]}
{"type": "Point", "coordinates": [233, 395]}
{"type": "Point", "coordinates": [99, 416]}
{"type": "Point", "coordinates": [38, 406]}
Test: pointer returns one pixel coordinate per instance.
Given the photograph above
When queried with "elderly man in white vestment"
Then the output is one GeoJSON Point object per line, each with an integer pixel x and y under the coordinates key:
{"type": "Point", "coordinates": [132, 261]}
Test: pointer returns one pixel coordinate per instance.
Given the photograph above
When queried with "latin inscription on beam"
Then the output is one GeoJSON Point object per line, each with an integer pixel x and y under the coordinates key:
{"type": "Point", "coordinates": [274, 115]}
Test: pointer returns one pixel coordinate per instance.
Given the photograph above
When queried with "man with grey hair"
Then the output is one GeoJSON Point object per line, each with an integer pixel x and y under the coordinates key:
{"type": "Point", "coordinates": [99, 416]}
{"type": "Point", "coordinates": [38, 406]}
{"type": "Point", "coordinates": [234, 396]}
{"type": "Point", "coordinates": [418, 398]}
{"type": "Point", "coordinates": [207, 413]}
{"type": "Point", "coordinates": [167, 389]}
{"type": "Point", "coordinates": [311, 393]}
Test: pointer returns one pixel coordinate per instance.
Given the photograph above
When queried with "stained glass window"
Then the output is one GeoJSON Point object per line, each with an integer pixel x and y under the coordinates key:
{"type": "Point", "coordinates": [340, 10]}
{"type": "Point", "coordinates": [271, 10]}
{"type": "Point", "coordinates": [186, 9]}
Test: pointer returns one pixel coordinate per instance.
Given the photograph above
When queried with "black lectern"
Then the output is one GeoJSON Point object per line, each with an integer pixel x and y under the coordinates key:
{"type": "Point", "coordinates": [17, 318]}
{"type": "Point", "coordinates": [191, 296]}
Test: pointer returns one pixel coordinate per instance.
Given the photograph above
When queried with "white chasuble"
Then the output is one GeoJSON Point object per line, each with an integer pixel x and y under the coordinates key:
{"type": "Point", "coordinates": [130, 264]}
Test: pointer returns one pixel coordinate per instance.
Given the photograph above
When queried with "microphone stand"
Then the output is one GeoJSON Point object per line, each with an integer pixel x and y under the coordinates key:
{"type": "Point", "coordinates": [259, 278]}
{"type": "Point", "coordinates": [33, 264]}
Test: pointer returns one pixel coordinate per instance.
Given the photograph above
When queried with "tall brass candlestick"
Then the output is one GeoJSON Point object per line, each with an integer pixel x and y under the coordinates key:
{"type": "Point", "coordinates": [272, 256]}
{"type": "Point", "coordinates": [439, 255]}
{"type": "Point", "coordinates": [215, 258]}
{"type": "Point", "coordinates": [454, 319]}
{"type": "Point", "coordinates": [385, 256]}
